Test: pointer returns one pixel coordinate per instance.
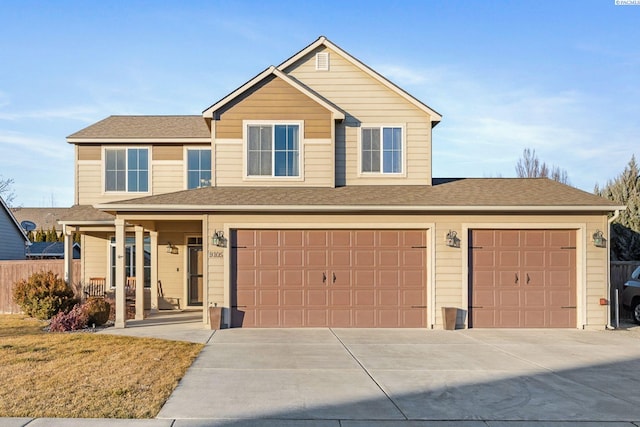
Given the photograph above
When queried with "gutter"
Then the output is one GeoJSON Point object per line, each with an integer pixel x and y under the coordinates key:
{"type": "Point", "coordinates": [609, 221]}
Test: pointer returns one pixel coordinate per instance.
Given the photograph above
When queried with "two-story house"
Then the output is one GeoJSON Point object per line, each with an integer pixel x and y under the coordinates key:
{"type": "Point", "coordinates": [306, 198]}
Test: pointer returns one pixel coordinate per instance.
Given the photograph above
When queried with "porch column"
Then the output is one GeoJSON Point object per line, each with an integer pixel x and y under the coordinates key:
{"type": "Point", "coordinates": [68, 255]}
{"type": "Point", "coordinates": [120, 279]}
{"type": "Point", "coordinates": [139, 272]}
{"type": "Point", "coordinates": [205, 269]}
{"type": "Point", "coordinates": [154, 271]}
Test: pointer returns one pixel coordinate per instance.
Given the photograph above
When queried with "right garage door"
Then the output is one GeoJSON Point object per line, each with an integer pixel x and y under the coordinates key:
{"type": "Point", "coordinates": [522, 279]}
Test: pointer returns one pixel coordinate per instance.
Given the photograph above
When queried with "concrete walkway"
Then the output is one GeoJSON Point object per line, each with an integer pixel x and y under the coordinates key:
{"type": "Point", "coordinates": [395, 378]}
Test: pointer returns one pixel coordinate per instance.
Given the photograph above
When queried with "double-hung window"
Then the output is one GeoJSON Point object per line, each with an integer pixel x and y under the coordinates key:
{"type": "Point", "coordinates": [273, 150]}
{"type": "Point", "coordinates": [126, 169]}
{"type": "Point", "coordinates": [381, 149]}
{"type": "Point", "coordinates": [198, 168]}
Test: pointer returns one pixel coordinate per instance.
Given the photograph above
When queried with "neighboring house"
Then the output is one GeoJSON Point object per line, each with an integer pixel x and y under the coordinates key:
{"type": "Point", "coordinates": [43, 218]}
{"type": "Point", "coordinates": [13, 239]}
{"type": "Point", "coordinates": [306, 198]}
{"type": "Point", "coordinates": [50, 250]}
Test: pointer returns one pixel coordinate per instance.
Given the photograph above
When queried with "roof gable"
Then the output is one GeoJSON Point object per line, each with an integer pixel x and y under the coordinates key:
{"type": "Point", "coordinates": [323, 41]}
{"type": "Point", "coordinates": [273, 71]}
{"type": "Point", "coordinates": [4, 207]}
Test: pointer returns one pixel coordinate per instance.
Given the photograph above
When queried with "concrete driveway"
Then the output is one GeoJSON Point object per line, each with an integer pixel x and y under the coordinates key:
{"type": "Point", "coordinates": [377, 377]}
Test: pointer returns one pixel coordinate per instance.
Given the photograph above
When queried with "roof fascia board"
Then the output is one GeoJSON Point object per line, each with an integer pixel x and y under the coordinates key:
{"type": "Point", "coordinates": [435, 116]}
{"type": "Point", "coordinates": [351, 208]}
{"type": "Point", "coordinates": [208, 113]}
{"type": "Point", "coordinates": [113, 140]}
{"type": "Point", "coordinates": [14, 220]}
{"type": "Point", "coordinates": [86, 222]}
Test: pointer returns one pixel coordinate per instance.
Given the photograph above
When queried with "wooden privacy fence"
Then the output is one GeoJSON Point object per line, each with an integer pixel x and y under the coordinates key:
{"type": "Point", "coordinates": [620, 273]}
{"type": "Point", "coordinates": [13, 271]}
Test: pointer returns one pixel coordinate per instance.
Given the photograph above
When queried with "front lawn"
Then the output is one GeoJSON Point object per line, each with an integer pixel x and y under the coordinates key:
{"type": "Point", "coordinates": [85, 374]}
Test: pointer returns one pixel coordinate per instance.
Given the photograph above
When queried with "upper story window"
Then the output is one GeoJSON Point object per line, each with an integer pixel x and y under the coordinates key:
{"type": "Point", "coordinates": [126, 169]}
{"type": "Point", "coordinates": [273, 150]}
{"type": "Point", "coordinates": [198, 168]}
{"type": "Point", "coordinates": [381, 149]}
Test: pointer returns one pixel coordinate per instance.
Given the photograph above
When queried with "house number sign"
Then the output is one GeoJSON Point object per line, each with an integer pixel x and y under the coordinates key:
{"type": "Point", "coordinates": [216, 254]}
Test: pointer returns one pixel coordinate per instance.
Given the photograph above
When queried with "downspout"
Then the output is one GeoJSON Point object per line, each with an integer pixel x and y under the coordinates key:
{"type": "Point", "coordinates": [609, 221]}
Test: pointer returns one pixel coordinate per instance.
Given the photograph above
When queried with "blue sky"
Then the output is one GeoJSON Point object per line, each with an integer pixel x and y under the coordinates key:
{"type": "Point", "coordinates": [560, 77]}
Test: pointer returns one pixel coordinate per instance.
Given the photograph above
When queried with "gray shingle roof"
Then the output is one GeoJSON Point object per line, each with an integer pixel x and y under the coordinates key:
{"type": "Point", "coordinates": [165, 127]}
{"type": "Point", "coordinates": [455, 193]}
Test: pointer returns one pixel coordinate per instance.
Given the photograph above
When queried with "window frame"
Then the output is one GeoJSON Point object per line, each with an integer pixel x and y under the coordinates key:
{"type": "Point", "coordinates": [245, 150]}
{"type": "Point", "coordinates": [186, 165]}
{"type": "Point", "coordinates": [403, 147]}
{"type": "Point", "coordinates": [126, 148]}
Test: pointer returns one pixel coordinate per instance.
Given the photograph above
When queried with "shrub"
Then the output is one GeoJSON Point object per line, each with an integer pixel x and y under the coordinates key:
{"type": "Point", "coordinates": [98, 310]}
{"type": "Point", "coordinates": [72, 321]}
{"type": "Point", "coordinates": [43, 295]}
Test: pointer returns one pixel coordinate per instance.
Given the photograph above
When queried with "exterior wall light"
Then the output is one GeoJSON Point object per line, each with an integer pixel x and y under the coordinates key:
{"type": "Point", "coordinates": [171, 249]}
{"type": "Point", "coordinates": [218, 239]}
{"type": "Point", "coordinates": [452, 239]}
{"type": "Point", "coordinates": [598, 240]}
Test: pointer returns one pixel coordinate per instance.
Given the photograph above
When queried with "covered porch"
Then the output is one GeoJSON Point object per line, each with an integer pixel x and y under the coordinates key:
{"type": "Point", "coordinates": [149, 266]}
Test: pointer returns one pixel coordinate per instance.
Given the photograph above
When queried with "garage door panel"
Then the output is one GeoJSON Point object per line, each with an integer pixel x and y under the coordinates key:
{"type": "Point", "coordinates": [340, 298]}
{"type": "Point", "coordinates": [266, 297]}
{"type": "Point", "coordinates": [267, 278]}
{"type": "Point", "coordinates": [508, 298]}
{"type": "Point", "coordinates": [535, 275]}
{"type": "Point", "coordinates": [292, 298]}
{"type": "Point", "coordinates": [508, 259]}
{"type": "Point", "coordinates": [484, 259]}
{"type": "Point", "coordinates": [293, 318]}
{"type": "Point", "coordinates": [412, 279]}
{"type": "Point", "coordinates": [340, 318]}
{"type": "Point", "coordinates": [317, 298]}
{"type": "Point", "coordinates": [293, 258]}
{"type": "Point", "coordinates": [364, 318]}
{"type": "Point", "coordinates": [285, 278]}
{"type": "Point", "coordinates": [292, 279]}
{"type": "Point", "coordinates": [364, 278]}
{"type": "Point", "coordinates": [364, 298]}
{"type": "Point", "coordinates": [268, 238]}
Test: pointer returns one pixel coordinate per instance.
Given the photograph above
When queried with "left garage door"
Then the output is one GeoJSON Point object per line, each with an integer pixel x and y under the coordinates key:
{"type": "Point", "coordinates": [329, 278]}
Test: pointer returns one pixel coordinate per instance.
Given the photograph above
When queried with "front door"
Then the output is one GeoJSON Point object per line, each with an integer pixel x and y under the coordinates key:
{"type": "Point", "coordinates": [195, 261]}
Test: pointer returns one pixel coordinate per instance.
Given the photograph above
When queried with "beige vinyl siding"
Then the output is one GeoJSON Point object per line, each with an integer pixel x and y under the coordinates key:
{"type": "Point", "coordinates": [316, 166]}
{"type": "Point", "coordinates": [89, 152]}
{"type": "Point", "coordinates": [168, 152]}
{"type": "Point", "coordinates": [274, 99]}
{"type": "Point", "coordinates": [95, 256]}
{"type": "Point", "coordinates": [366, 101]}
{"type": "Point", "coordinates": [447, 275]}
{"type": "Point", "coordinates": [168, 176]}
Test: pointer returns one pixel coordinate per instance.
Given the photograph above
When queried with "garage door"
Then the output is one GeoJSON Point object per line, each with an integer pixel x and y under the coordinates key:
{"type": "Point", "coordinates": [522, 279]}
{"type": "Point", "coordinates": [323, 278]}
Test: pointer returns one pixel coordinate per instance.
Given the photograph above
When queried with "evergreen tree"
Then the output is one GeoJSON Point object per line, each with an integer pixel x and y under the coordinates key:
{"type": "Point", "coordinates": [625, 190]}
{"type": "Point", "coordinates": [40, 235]}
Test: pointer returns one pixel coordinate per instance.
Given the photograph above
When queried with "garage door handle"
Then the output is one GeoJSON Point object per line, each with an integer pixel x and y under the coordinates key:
{"type": "Point", "coordinates": [324, 278]}
{"type": "Point", "coordinates": [528, 278]}
{"type": "Point", "coordinates": [334, 277]}
{"type": "Point", "coordinates": [516, 278]}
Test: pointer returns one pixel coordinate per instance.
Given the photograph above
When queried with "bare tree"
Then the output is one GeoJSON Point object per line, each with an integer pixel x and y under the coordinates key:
{"type": "Point", "coordinates": [6, 190]}
{"type": "Point", "coordinates": [529, 166]}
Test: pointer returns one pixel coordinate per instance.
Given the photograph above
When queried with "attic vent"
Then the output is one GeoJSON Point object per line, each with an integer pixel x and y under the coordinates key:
{"type": "Point", "coordinates": [322, 61]}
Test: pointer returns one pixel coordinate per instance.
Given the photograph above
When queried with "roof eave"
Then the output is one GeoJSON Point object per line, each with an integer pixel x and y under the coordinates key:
{"type": "Point", "coordinates": [349, 208]}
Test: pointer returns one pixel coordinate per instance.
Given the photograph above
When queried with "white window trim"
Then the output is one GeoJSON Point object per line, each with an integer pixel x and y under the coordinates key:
{"type": "Point", "coordinates": [253, 178]}
{"type": "Point", "coordinates": [403, 162]}
{"type": "Point", "coordinates": [126, 147]}
{"type": "Point", "coordinates": [185, 156]}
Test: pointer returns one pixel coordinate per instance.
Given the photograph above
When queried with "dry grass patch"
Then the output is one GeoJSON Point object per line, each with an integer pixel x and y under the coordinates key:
{"type": "Point", "coordinates": [84, 374]}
